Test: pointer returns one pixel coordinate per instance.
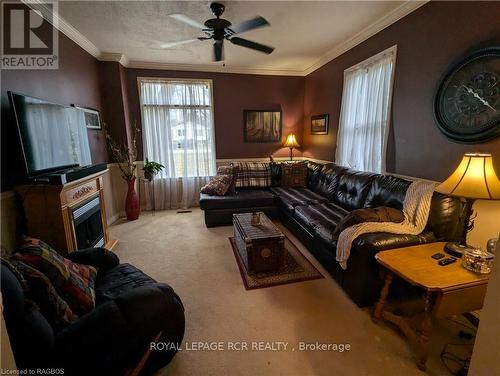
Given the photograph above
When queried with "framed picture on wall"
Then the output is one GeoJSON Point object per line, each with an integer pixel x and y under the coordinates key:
{"type": "Point", "coordinates": [92, 117]}
{"type": "Point", "coordinates": [319, 124]}
{"type": "Point", "coordinates": [262, 125]}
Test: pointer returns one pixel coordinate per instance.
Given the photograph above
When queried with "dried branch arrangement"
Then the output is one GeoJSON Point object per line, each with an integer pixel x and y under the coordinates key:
{"type": "Point", "coordinates": [123, 154]}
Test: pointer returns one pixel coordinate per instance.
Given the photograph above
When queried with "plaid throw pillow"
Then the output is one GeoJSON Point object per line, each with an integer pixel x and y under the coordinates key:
{"type": "Point", "coordinates": [253, 174]}
{"type": "Point", "coordinates": [218, 185]}
{"type": "Point", "coordinates": [74, 282]}
{"type": "Point", "coordinates": [294, 174]}
{"type": "Point", "coordinates": [43, 293]}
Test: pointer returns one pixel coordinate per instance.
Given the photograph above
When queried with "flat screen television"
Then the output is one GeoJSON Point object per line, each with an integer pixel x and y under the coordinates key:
{"type": "Point", "coordinates": [53, 137]}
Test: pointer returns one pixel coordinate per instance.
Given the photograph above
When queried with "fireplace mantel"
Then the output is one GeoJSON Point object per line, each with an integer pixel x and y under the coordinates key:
{"type": "Point", "coordinates": [50, 210]}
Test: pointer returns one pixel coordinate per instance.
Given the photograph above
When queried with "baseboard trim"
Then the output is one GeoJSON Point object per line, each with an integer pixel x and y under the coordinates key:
{"type": "Point", "coordinates": [113, 219]}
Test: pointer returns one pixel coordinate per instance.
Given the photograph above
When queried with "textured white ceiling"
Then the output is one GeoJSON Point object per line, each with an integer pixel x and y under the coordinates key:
{"type": "Point", "coordinates": [301, 32]}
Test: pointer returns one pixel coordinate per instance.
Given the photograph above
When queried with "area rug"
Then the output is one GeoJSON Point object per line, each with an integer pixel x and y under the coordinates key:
{"type": "Point", "coordinates": [296, 268]}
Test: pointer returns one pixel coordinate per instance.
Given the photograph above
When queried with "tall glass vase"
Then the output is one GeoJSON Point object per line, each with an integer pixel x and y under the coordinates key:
{"type": "Point", "coordinates": [132, 206]}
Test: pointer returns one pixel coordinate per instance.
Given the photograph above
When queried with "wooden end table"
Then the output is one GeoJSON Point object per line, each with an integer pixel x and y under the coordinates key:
{"type": "Point", "coordinates": [449, 290]}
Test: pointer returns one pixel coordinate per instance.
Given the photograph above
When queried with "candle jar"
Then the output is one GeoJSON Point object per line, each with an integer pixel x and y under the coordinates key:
{"type": "Point", "coordinates": [477, 261]}
{"type": "Point", "coordinates": [255, 219]}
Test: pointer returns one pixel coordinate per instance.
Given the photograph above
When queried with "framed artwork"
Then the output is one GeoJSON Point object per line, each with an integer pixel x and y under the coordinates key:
{"type": "Point", "coordinates": [92, 117]}
{"type": "Point", "coordinates": [319, 124]}
{"type": "Point", "coordinates": [262, 125]}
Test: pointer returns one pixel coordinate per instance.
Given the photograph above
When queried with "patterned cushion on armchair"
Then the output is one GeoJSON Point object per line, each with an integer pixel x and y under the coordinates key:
{"type": "Point", "coordinates": [74, 282]}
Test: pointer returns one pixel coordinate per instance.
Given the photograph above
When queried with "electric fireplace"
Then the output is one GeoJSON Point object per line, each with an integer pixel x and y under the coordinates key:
{"type": "Point", "coordinates": [87, 221]}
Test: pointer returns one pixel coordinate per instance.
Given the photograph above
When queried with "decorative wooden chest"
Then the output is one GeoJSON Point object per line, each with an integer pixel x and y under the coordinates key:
{"type": "Point", "coordinates": [261, 246]}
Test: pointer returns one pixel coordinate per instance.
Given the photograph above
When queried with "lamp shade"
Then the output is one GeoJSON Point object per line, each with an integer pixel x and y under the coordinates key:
{"type": "Point", "coordinates": [474, 178]}
{"type": "Point", "coordinates": [291, 141]}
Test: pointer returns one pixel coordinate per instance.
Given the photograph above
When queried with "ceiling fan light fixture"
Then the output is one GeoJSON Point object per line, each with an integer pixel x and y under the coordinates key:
{"type": "Point", "coordinates": [219, 29]}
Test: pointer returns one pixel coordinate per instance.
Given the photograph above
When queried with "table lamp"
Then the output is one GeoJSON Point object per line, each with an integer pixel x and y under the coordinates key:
{"type": "Point", "coordinates": [291, 142]}
{"type": "Point", "coordinates": [473, 179]}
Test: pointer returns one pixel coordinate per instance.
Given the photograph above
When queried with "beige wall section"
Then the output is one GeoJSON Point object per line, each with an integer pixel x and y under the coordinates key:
{"type": "Point", "coordinates": [115, 191]}
{"type": "Point", "coordinates": [486, 224]}
{"type": "Point", "coordinates": [485, 360]}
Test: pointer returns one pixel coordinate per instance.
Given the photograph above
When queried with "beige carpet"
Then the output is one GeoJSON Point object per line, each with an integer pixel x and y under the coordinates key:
{"type": "Point", "coordinates": [200, 265]}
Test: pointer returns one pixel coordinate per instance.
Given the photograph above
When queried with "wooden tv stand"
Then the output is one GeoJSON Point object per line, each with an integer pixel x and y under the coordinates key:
{"type": "Point", "coordinates": [49, 210]}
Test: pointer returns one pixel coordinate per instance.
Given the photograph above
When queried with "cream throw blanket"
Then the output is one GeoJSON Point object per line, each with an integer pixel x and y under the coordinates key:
{"type": "Point", "coordinates": [416, 208]}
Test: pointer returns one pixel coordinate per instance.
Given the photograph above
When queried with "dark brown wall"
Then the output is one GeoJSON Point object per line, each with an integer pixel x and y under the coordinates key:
{"type": "Point", "coordinates": [428, 40]}
{"type": "Point", "coordinates": [76, 81]}
{"type": "Point", "coordinates": [232, 94]}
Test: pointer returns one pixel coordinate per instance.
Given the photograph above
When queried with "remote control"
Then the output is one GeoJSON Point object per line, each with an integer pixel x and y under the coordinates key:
{"type": "Point", "coordinates": [447, 261]}
{"type": "Point", "coordinates": [438, 256]}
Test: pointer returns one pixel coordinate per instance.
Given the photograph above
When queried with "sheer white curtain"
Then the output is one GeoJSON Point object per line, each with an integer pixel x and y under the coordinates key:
{"type": "Point", "coordinates": [178, 132]}
{"type": "Point", "coordinates": [364, 119]}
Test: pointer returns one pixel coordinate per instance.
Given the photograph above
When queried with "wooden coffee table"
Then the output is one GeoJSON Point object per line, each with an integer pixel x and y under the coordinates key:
{"type": "Point", "coordinates": [261, 246]}
{"type": "Point", "coordinates": [448, 290]}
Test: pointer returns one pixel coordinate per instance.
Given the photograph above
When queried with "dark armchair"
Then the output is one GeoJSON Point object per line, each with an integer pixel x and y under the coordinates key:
{"type": "Point", "coordinates": [132, 310]}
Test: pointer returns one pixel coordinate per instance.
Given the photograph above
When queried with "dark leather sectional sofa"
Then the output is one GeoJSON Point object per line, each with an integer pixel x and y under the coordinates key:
{"type": "Point", "coordinates": [312, 214]}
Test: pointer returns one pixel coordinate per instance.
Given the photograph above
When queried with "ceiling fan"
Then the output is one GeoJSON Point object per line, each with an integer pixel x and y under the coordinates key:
{"type": "Point", "coordinates": [219, 29]}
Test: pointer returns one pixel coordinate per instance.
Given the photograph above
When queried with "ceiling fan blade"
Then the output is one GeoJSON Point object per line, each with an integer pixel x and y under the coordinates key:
{"type": "Point", "coordinates": [254, 23]}
{"type": "Point", "coordinates": [187, 20]}
{"type": "Point", "coordinates": [218, 50]}
{"type": "Point", "coordinates": [253, 45]}
{"type": "Point", "coordinates": [179, 43]}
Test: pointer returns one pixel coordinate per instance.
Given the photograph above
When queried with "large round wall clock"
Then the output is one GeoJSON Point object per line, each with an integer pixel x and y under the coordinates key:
{"type": "Point", "coordinates": [467, 103]}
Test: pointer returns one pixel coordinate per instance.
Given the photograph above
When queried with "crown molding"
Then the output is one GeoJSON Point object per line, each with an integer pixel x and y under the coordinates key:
{"type": "Point", "coordinates": [217, 68]}
{"type": "Point", "coordinates": [379, 25]}
{"type": "Point", "coordinates": [67, 29]}
{"type": "Point", "coordinates": [116, 57]}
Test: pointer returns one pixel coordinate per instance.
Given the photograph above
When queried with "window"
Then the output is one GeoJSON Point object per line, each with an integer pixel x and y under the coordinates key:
{"type": "Point", "coordinates": [364, 119]}
{"type": "Point", "coordinates": [177, 118]}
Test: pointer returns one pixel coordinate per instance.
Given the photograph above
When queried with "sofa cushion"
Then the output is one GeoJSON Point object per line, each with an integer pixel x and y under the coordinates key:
{"type": "Point", "coordinates": [118, 280]}
{"type": "Point", "coordinates": [320, 219]}
{"type": "Point", "coordinates": [275, 174]}
{"type": "Point", "coordinates": [327, 180]}
{"type": "Point", "coordinates": [313, 170]}
{"type": "Point", "coordinates": [387, 191]}
{"type": "Point", "coordinates": [294, 174]}
{"type": "Point", "coordinates": [31, 336]}
{"type": "Point", "coordinates": [445, 217]}
{"type": "Point", "coordinates": [352, 189]}
{"type": "Point", "coordinates": [74, 282]}
{"type": "Point", "coordinates": [291, 197]}
{"type": "Point", "coordinates": [244, 198]}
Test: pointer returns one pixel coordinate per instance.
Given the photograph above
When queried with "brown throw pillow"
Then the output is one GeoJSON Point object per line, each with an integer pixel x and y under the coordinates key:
{"type": "Point", "coordinates": [380, 214]}
{"type": "Point", "coordinates": [294, 174]}
{"type": "Point", "coordinates": [218, 185]}
{"type": "Point", "coordinates": [230, 170]}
